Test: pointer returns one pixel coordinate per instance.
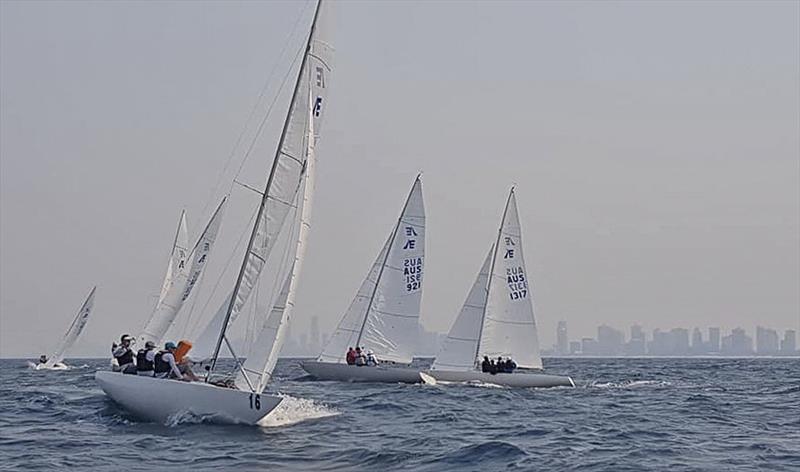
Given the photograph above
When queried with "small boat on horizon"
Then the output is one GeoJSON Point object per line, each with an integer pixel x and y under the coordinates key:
{"type": "Point", "coordinates": [56, 359]}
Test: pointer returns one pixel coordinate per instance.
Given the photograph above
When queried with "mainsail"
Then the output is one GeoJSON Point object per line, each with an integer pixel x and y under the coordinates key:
{"type": "Point", "coordinates": [181, 277]}
{"type": "Point", "coordinates": [497, 318]}
{"type": "Point", "coordinates": [263, 354]}
{"type": "Point", "coordinates": [285, 176]}
{"type": "Point", "coordinates": [74, 331]}
{"type": "Point", "coordinates": [384, 315]}
{"type": "Point", "coordinates": [509, 326]}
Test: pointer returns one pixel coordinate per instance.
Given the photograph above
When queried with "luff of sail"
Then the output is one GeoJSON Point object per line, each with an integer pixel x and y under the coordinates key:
{"type": "Point", "coordinates": [285, 175]}
{"type": "Point", "coordinates": [384, 315]}
{"type": "Point", "coordinates": [509, 326]}
{"type": "Point", "coordinates": [74, 331]}
{"type": "Point", "coordinates": [180, 287]}
{"type": "Point", "coordinates": [458, 349]}
{"type": "Point", "coordinates": [263, 354]}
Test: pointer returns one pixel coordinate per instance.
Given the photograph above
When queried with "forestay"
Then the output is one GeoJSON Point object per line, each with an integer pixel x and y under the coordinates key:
{"type": "Point", "coordinates": [384, 315]}
{"type": "Point", "coordinates": [181, 277]}
{"type": "Point", "coordinates": [509, 327]}
{"type": "Point", "coordinates": [458, 350]}
{"type": "Point", "coordinates": [74, 331]}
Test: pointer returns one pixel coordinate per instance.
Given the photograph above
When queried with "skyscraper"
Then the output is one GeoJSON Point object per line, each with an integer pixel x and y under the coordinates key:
{"type": "Point", "coordinates": [713, 339]}
{"type": "Point", "coordinates": [609, 341]}
{"type": "Point", "coordinates": [636, 345]}
{"type": "Point", "coordinates": [698, 347]}
{"type": "Point", "coordinates": [789, 343]}
{"type": "Point", "coordinates": [766, 341]}
{"type": "Point", "coordinates": [562, 343]}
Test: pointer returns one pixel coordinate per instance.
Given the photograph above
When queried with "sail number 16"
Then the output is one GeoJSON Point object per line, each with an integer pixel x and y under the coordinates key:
{"type": "Point", "coordinates": [255, 401]}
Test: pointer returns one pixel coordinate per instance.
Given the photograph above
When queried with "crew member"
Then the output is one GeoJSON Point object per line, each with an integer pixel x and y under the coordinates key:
{"type": "Point", "coordinates": [165, 366]}
{"type": "Point", "coordinates": [124, 356]}
{"type": "Point", "coordinates": [146, 359]}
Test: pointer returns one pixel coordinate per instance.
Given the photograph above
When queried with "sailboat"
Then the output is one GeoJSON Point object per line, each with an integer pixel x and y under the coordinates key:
{"type": "Point", "coordinates": [497, 319]}
{"type": "Point", "coordinates": [384, 315]}
{"type": "Point", "coordinates": [244, 401]}
{"type": "Point", "coordinates": [181, 277]}
{"type": "Point", "coordinates": [56, 359]}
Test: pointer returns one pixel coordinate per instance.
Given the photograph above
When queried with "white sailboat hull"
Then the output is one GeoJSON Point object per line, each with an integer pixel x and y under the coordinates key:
{"type": "Point", "coordinates": [162, 400]}
{"type": "Point", "coordinates": [353, 373]}
{"type": "Point", "coordinates": [56, 366]}
{"type": "Point", "coordinates": [517, 380]}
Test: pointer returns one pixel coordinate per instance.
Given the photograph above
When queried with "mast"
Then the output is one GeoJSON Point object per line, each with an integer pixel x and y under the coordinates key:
{"type": "Point", "coordinates": [266, 188]}
{"type": "Point", "coordinates": [491, 273]}
{"type": "Point", "coordinates": [383, 264]}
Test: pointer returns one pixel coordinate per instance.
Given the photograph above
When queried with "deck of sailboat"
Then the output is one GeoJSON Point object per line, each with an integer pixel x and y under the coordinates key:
{"type": "Point", "coordinates": [353, 373]}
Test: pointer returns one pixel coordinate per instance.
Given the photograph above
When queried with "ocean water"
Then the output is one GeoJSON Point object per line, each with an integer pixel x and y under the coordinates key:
{"type": "Point", "coordinates": [625, 414]}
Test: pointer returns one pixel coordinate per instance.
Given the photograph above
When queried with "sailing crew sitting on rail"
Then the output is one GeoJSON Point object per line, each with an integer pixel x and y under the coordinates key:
{"type": "Point", "coordinates": [486, 365]}
{"type": "Point", "coordinates": [351, 356]}
{"type": "Point", "coordinates": [361, 359]}
{"type": "Point", "coordinates": [146, 359]}
{"type": "Point", "coordinates": [124, 356]}
{"type": "Point", "coordinates": [42, 359]}
{"type": "Point", "coordinates": [492, 367]}
{"type": "Point", "coordinates": [165, 366]}
{"type": "Point", "coordinates": [510, 366]}
{"type": "Point", "coordinates": [501, 365]}
{"type": "Point", "coordinates": [183, 361]}
{"type": "Point", "coordinates": [371, 359]}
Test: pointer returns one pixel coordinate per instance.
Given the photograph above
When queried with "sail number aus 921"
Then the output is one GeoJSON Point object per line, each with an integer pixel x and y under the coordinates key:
{"type": "Point", "coordinates": [255, 401]}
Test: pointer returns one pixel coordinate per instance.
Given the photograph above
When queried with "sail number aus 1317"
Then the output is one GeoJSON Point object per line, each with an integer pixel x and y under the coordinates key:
{"type": "Point", "coordinates": [517, 285]}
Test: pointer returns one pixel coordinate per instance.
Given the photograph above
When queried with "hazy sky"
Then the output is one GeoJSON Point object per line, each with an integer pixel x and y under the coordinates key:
{"type": "Point", "coordinates": [656, 149]}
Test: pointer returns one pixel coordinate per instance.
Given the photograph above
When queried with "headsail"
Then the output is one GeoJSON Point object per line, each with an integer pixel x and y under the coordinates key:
{"type": "Point", "coordinates": [74, 331]}
{"type": "Point", "coordinates": [286, 173]}
{"type": "Point", "coordinates": [509, 327]}
{"type": "Point", "coordinates": [384, 315]}
{"type": "Point", "coordinates": [458, 349]}
{"type": "Point", "coordinates": [181, 277]}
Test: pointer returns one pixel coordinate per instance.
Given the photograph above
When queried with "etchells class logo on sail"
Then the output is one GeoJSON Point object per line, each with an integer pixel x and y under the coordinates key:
{"type": "Point", "coordinates": [412, 266]}
{"type": "Point", "coordinates": [515, 275]}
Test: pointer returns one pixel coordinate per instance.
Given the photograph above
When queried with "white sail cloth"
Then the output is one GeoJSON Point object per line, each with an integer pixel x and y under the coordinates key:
{"type": "Point", "coordinates": [181, 277]}
{"type": "Point", "coordinates": [285, 178]}
{"type": "Point", "coordinates": [384, 315]}
{"type": "Point", "coordinates": [263, 354]}
{"type": "Point", "coordinates": [509, 327]}
{"type": "Point", "coordinates": [497, 318]}
{"type": "Point", "coordinates": [459, 348]}
{"type": "Point", "coordinates": [74, 331]}
{"type": "Point", "coordinates": [171, 289]}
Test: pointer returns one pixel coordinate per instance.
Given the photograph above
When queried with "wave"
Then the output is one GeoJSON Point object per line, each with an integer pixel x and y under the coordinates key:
{"type": "Point", "coordinates": [630, 384]}
{"type": "Point", "coordinates": [294, 410]}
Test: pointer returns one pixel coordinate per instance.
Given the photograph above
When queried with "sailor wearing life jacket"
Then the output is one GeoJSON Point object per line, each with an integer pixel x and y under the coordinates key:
{"type": "Point", "coordinates": [146, 359]}
{"type": "Point", "coordinates": [124, 356]}
{"type": "Point", "coordinates": [165, 366]}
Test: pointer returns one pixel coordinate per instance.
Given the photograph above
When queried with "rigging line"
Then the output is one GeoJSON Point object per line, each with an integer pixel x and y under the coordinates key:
{"type": "Point", "coordinates": [252, 114]}
{"type": "Point", "coordinates": [221, 276]}
{"type": "Point", "coordinates": [269, 111]}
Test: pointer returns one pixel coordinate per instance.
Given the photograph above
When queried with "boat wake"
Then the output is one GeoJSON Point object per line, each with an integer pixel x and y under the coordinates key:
{"type": "Point", "coordinates": [58, 366]}
{"type": "Point", "coordinates": [630, 384]}
{"type": "Point", "coordinates": [296, 410]}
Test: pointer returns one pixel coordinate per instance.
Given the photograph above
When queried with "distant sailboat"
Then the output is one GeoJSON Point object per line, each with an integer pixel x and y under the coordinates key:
{"type": "Point", "coordinates": [497, 319]}
{"type": "Point", "coordinates": [384, 315]}
{"type": "Point", "coordinates": [292, 167]}
{"type": "Point", "coordinates": [55, 361]}
{"type": "Point", "coordinates": [183, 272]}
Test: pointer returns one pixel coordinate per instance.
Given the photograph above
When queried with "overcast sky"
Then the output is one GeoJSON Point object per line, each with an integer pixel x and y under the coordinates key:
{"type": "Point", "coordinates": [655, 145]}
